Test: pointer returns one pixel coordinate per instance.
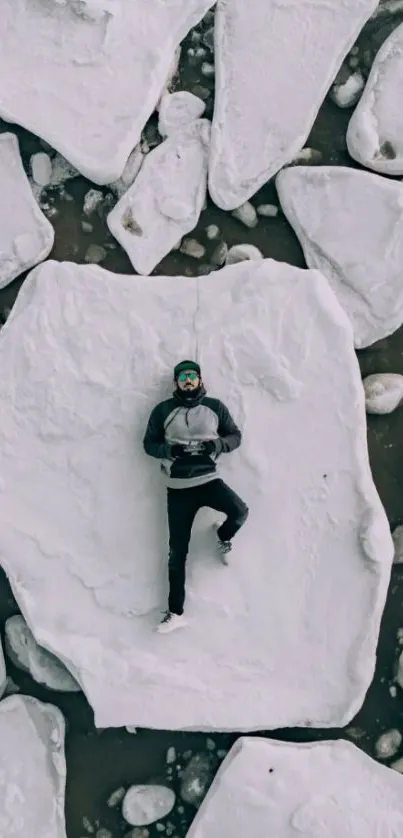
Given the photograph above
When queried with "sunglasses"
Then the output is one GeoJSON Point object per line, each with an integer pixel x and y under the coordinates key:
{"type": "Point", "coordinates": [183, 376]}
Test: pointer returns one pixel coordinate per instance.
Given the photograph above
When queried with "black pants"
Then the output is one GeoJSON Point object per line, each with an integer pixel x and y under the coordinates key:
{"type": "Point", "coordinates": [183, 504]}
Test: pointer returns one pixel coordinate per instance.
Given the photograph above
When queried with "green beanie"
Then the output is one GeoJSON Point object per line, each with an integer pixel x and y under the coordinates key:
{"type": "Point", "coordinates": [186, 365]}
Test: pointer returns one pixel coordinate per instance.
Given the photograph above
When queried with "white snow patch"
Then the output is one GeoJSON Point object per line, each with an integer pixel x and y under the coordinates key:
{"type": "Point", "coordinates": [258, 125]}
{"type": "Point", "coordinates": [383, 392]}
{"type": "Point", "coordinates": [32, 769]}
{"type": "Point", "coordinates": [242, 252]}
{"type": "Point", "coordinates": [110, 64]}
{"type": "Point", "coordinates": [26, 236]}
{"type": "Point", "coordinates": [375, 132]}
{"type": "Point", "coordinates": [24, 652]}
{"type": "Point", "coordinates": [3, 673]}
{"type": "Point", "coordinates": [166, 199]}
{"type": "Point", "coordinates": [350, 226]}
{"type": "Point", "coordinates": [309, 789]}
{"type": "Point", "coordinates": [143, 805]}
{"type": "Point", "coordinates": [288, 635]}
{"type": "Point", "coordinates": [178, 110]}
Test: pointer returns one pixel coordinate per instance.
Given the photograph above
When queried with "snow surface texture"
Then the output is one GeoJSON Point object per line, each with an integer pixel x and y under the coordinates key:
{"type": "Point", "coordinates": [32, 769]}
{"type": "Point", "coordinates": [350, 226]}
{"type": "Point", "coordinates": [320, 790]}
{"type": "Point", "coordinates": [166, 199]}
{"type": "Point", "coordinates": [111, 66]}
{"type": "Point", "coordinates": [3, 673]}
{"type": "Point", "coordinates": [26, 236]}
{"type": "Point", "coordinates": [258, 130]}
{"type": "Point", "coordinates": [285, 636]}
{"type": "Point", "coordinates": [375, 132]}
{"type": "Point", "coordinates": [177, 110]}
{"type": "Point", "coordinates": [25, 653]}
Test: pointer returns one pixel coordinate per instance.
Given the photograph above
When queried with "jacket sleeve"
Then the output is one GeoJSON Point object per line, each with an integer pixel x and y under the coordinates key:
{"type": "Point", "coordinates": [229, 434]}
{"type": "Point", "coordinates": [154, 439]}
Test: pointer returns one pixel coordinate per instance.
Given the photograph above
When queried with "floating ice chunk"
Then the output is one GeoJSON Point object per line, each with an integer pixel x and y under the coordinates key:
{"type": "Point", "coordinates": [196, 779]}
{"type": "Point", "coordinates": [191, 247]}
{"type": "Point", "coordinates": [3, 673]}
{"type": "Point", "coordinates": [350, 226]}
{"type": "Point", "coordinates": [258, 128]}
{"type": "Point", "coordinates": [242, 252]}
{"type": "Point", "coordinates": [32, 769]}
{"type": "Point", "coordinates": [177, 110]}
{"type": "Point", "coordinates": [82, 519]}
{"type": "Point", "coordinates": [397, 537]}
{"type": "Point", "coordinates": [347, 93]}
{"type": "Point", "coordinates": [111, 59]}
{"type": "Point", "coordinates": [92, 200]}
{"type": "Point", "coordinates": [388, 744]}
{"type": "Point", "coordinates": [166, 199]}
{"type": "Point", "coordinates": [116, 797]}
{"type": "Point", "coordinates": [267, 210]}
{"type": "Point", "coordinates": [247, 214]}
{"type": "Point", "coordinates": [383, 392]}
{"type": "Point", "coordinates": [25, 653]}
{"type": "Point", "coordinates": [26, 236]}
{"type": "Point", "coordinates": [375, 131]}
{"type": "Point", "coordinates": [41, 168]}
{"type": "Point", "coordinates": [212, 232]}
{"type": "Point", "coordinates": [307, 156]}
{"type": "Point", "coordinates": [313, 789]}
{"type": "Point", "coordinates": [143, 805]}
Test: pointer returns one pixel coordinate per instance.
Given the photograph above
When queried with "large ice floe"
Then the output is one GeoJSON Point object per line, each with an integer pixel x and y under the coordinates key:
{"type": "Point", "coordinates": [350, 226]}
{"type": "Point", "coordinates": [375, 131]}
{"type": "Point", "coordinates": [32, 769]}
{"type": "Point", "coordinates": [25, 653]}
{"type": "Point", "coordinates": [110, 58]}
{"type": "Point", "coordinates": [26, 236]}
{"type": "Point", "coordinates": [272, 75]}
{"type": "Point", "coordinates": [284, 636]}
{"type": "Point", "coordinates": [315, 789]}
{"type": "Point", "coordinates": [166, 199]}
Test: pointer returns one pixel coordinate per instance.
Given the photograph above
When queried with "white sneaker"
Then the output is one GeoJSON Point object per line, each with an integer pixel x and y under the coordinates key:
{"type": "Point", "coordinates": [170, 622]}
{"type": "Point", "coordinates": [223, 547]}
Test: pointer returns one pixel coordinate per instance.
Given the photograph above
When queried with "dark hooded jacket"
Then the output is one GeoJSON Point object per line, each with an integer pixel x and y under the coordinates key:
{"type": "Point", "coordinates": [181, 420]}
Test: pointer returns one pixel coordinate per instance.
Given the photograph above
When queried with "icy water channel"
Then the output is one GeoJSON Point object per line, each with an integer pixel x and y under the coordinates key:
{"type": "Point", "coordinates": [101, 761]}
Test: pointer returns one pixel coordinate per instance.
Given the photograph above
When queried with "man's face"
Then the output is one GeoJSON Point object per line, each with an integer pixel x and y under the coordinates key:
{"type": "Point", "coordinates": [188, 380]}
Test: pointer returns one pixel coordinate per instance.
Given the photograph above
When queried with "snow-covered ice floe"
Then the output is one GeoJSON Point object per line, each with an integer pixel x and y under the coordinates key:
{"type": "Point", "coordinates": [275, 61]}
{"type": "Point", "coordinates": [26, 236]}
{"type": "Point", "coordinates": [375, 131]}
{"type": "Point", "coordinates": [166, 199]}
{"type": "Point", "coordinates": [350, 226]}
{"type": "Point", "coordinates": [32, 769]}
{"type": "Point", "coordinates": [111, 61]}
{"type": "Point", "coordinates": [3, 673]}
{"type": "Point", "coordinates": [177, 110]}
{"type": "Point", "coordinates": [25, 653]}
{"type": "Point", "coordinates": [314, 789]}
{"type": "Point", "coordinates": [287, 634]}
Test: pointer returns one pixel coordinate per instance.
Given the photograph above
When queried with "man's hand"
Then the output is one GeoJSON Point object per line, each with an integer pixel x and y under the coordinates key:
{"type": "Point", "coordinates": [177, 451]}
{"type": "Point", "coordinates": [209, 447]}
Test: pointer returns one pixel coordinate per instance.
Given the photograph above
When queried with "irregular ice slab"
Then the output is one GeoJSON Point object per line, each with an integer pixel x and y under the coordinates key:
{"type": "Point", "coordinates": [166, 199]}
{"type": "Point", "coordinates": [32, 769]}
{"type": "Point", "coordinates": [320, 790]}
{"type": "Point", "coordinates": [350, 226]}
{"type": "Point", "coordinates": [3, 673]}
{"type": "Point", "coordinates": [25, 653]}
{"type": "Point", "coordinates": [375, 131]}
{"type": "Point", "coordinates": [257, 129]}
{"type": "Point", "coordinates": [111, 67]}
{"type": "Point", "coordinates": [287, 635]}
{"type": "Point", "coordinates": [26, 236]}
{"type": "Point", "coordinates": [177, 110]}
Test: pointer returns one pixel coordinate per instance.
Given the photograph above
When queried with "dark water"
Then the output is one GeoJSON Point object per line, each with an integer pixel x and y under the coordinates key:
{"type": "Point", "coordinates": [99, 761]}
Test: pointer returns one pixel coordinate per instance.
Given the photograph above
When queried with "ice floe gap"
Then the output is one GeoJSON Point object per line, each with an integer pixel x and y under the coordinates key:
{"type": "Point", "coordinates": [350, 226]}
{"type": "Point", "coordinates": [32, 769]}
{"type": "Point", "coordinates": [375, 132]}
{"type": "Point", "coordinates": [82, 512]}
{"type": "Point", "coordinates": [26, 236]}
{"type": "Point", "coordinates": [166, 199]}
{"type": "Point", "coordinates": [317, 789]}
{"type": "Point", "coordinates": [111, 66]}
{"type": "Point", "coordinates": [255, 132]}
